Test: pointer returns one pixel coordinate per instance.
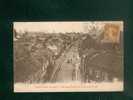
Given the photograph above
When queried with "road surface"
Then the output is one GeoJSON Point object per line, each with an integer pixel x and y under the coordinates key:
{"type": "Point", "coordinates": [65, 66]}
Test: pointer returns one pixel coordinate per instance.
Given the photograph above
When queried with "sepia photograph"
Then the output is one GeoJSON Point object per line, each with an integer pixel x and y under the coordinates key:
{"type": "Point", "coordinates": [68, 56]}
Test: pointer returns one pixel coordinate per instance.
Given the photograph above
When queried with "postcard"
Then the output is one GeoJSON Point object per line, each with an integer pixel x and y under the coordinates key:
{"type": "Point", "coordinates": [68, 56]}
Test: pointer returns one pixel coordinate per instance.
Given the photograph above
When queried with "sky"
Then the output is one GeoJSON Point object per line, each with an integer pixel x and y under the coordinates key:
{"type": "Point", "coordinates": [57, 27]}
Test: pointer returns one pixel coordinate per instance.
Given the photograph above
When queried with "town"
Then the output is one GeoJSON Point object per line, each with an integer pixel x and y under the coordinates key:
{"type": "Point", "coordinates": [68, 57]}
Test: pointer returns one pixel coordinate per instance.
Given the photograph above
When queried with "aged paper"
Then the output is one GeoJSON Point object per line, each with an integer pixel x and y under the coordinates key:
{"type": "Point", "coordinates": [75, 56]}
